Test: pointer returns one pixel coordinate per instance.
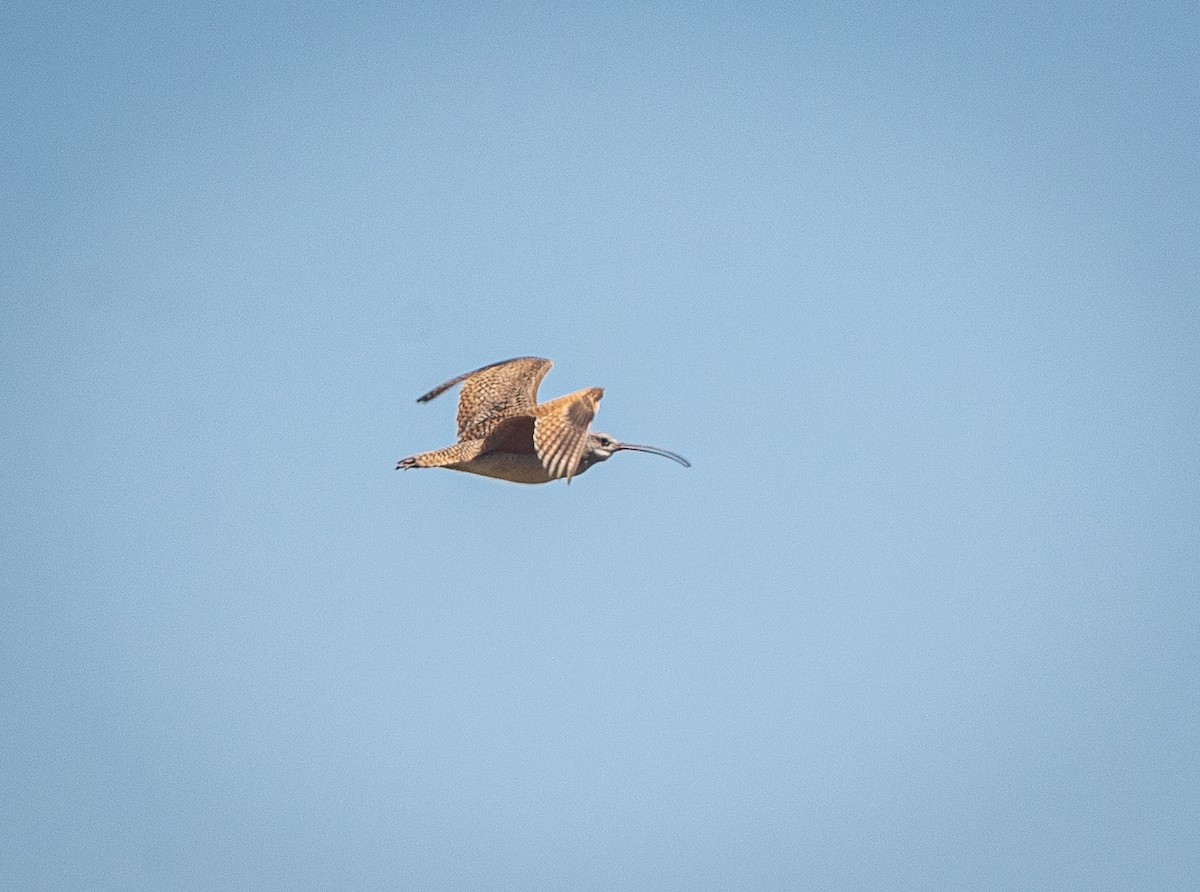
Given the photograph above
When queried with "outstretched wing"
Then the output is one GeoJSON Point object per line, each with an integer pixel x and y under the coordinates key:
{"type": "Point", "coordinates": [494, 392]}
{"type": "Point", "coordinates": [560, 430]}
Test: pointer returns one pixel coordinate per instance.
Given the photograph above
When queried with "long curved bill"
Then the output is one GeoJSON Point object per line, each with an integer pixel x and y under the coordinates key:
{"type": "Point", "coordinates": [654, 450]}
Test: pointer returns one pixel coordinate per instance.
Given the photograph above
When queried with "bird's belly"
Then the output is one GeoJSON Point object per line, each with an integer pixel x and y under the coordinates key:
{"type": "Point", "coordinates": [511, 466]}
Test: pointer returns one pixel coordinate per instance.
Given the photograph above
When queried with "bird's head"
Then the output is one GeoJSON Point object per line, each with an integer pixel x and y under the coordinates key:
{"type": "Point", "coordinates": [601, 447]}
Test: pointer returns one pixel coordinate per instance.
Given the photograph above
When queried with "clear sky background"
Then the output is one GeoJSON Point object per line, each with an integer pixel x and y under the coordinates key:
{"type": "Point", "coordinates": [916, 288]}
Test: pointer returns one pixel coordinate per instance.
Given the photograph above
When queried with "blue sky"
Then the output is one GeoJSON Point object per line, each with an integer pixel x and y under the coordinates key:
{"type": "Point", "coordinates": [914, 289]}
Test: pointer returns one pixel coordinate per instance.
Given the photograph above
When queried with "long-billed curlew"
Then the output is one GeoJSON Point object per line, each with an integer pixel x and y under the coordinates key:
{"type": "Point", "coordinates": [504, 432]}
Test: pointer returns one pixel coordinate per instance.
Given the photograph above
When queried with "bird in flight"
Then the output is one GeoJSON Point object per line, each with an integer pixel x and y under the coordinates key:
{"type": "Point", "coordinates": [504, 432]}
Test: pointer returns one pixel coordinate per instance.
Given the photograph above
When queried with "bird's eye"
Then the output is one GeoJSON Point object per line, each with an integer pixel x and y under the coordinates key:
{"type": "Point", "coordinates": [605, 442]}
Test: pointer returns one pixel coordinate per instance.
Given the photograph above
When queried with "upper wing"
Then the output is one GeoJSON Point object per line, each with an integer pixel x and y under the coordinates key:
{"type": "Point", "coordinates": [513, 434]}
{"type": "Point", "coordinates": [494, 391]}
{"type": "Point", "coordinates": [560, 430]}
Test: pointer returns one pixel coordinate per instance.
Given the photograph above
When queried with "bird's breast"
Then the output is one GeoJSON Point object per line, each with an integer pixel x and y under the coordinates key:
{"type": "Point", "coordinates": [511, 466]}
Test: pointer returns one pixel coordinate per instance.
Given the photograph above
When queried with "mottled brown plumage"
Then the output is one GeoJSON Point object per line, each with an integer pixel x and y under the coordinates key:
{"type": "Point", "coordinates": [494, 392]}
{"type": "Point", "coordinates": [504, 432]}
